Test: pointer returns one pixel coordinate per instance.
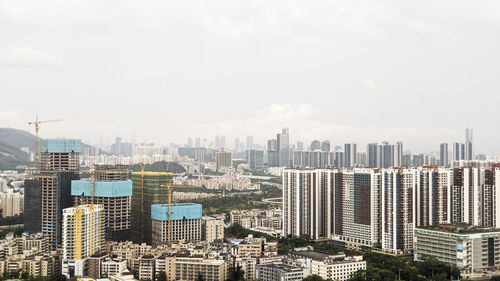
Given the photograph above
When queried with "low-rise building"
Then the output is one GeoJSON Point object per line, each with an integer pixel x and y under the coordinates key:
{"type": "Point", "coordinates": [113, 266]}
{"type": "Point", "coordinates": [332, 267]}
{"type": "Point", "coordinates": [190, 268]}
{"type": "Point", "coordinates": [279, 272]}
{"type": "Point", "coordinates": [472, 250]}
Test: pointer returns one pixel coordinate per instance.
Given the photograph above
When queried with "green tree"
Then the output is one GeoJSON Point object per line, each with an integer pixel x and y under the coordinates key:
{"type": "Point", "coordinates": [236, 274]}
{"type": "Point", "coordinates": [162, 276]}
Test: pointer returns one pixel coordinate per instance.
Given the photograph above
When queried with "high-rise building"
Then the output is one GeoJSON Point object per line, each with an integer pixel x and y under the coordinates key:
{"type": "Point", "coordinates": [315, 144]}
{"type": "Point", "coordinates": [398, 154]}
{"type": "Point", "coordinates": [48, 192]}
{"type": "Point", "coordinates": [356, 206]}
{"type": "Point", "coordinates": [115, 197]}
{"type": "Point", "coordinates": [433, 196]}
{"type": "Point", "coordinates": [458, 151]}
{"type": "Point", "coordinates": [223, 159]}
{"type": "Point", "coordinates": [148, 188]}
{"type": "Point", "coordinates": [372, 151]}
{"type": "Point", "coordinates": [443, 155]}
{"type": "Point", "coordinates": [398, 212]}
{"type": "Point", "coordinates": [190, 142]}
{"type": "Point", "coordinates": [256, 160]}
{"type": "Point", "coordinates": [272, 153]}
{"type": "Point", "coordinates": [121, 148]}
{"type": "Point", "coordinates": [237, 145]}
{"type": "Point", "coordinates": [249, 142]}
{"type": "Point", "coordinates": [283, 147]}
{"type": "Point", "coordinates": [300, 145]}
{"type": "Point", "coordinates": [197, 142]}
{"type": "Point", "coordinates": [185, 222]}
{"type": "Point", "coordinates": [350, 152]}
{"type": "Point", "coordinates": [83, 236]}
{"type": "Point", "coordinates": [325, 146]}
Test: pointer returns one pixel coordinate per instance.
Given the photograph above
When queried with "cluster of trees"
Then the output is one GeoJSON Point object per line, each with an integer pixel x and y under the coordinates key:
{"type": "Point", "coordinates": [286, 244]}
{"type": "Point", "coordinates": [17, 219]}
{"type": "Point", "coordinates": [17, 231]}
{"type": "Point", "coordinates": [219, 205]}
{"type": "Point", "coordinates": [380, 267]}
{"type": "Point", "coordinates": [384, 267]}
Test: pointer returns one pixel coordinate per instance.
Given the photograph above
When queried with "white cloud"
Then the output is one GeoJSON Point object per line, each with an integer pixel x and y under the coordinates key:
{"type": "Point", "coordinates": [30, 57]}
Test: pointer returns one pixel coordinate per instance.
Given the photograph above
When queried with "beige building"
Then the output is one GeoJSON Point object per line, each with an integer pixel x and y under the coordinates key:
{"type": "Point", "coordinates": [188, 269]}
{"type": "Point", "coordinates": [212, 229]}
{"type": "Point", "coordinates": [11, 203]}
{"type": "Point", "coordinates": [147, 268]}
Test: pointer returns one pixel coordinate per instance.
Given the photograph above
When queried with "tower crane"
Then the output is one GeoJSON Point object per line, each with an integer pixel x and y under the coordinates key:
{"type": "Point", "coordinates": [37, 127]}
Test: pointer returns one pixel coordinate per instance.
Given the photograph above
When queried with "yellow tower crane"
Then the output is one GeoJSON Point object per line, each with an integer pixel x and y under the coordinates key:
{"type": "Point", "coordinates": [37, 127]}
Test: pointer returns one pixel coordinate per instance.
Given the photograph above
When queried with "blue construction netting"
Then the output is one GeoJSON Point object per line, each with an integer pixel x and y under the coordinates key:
{"type": "Point", "coordinates": [180, 211]}
{"type": "Point", "coordinates": [60, 145]}
{"type": "Point", "coordinates": [101, 188]}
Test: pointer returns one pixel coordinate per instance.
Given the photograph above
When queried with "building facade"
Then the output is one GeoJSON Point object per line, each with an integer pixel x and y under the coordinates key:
{"type": "Point", "coordinates": [185, 221]}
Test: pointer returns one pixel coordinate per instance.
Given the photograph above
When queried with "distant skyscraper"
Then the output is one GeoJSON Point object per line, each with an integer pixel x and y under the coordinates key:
{"type": "Point", "coordinates": [283, 148]}
{"type": "Point", "coordinates": [458, 151]}
{"type": "Point", "coordinates": [249, 142]}
{"type": "Point", "coordinates": [217, 142]}
{"type": "Point", "coordinates": [190, 142]}
{"type": "Point", "coordinates": [315, 144]}
{"type": "Point", "coordinates": [256, 160]}
{"type": "Point", "coordinates": [469, 145]}
{"type": "Point", "coordinates": [398, 154]}
{"type": "Point", "coordinates": [236, 145]}
{"type": "Point", "coordinates": [223, 141]}
{"type": "Point", "coordinates": [272, 153]}
{"type": "Point", "coordinates": [224, 159]}
{"type": "Point", "coordinates": [325, 146]}
{"type": "Point", "coordinates": [300, 145]}
{"type": "Point", "coordinates": [443, 155]}
{"type": "Point", "coordinates": [197, 142]}
{"type": "Point", "coordinates": [372, 150]}
{"type": "Point", "coordinates": [350, 151]}
{"type": "Point", "coordinates": [469, 136]}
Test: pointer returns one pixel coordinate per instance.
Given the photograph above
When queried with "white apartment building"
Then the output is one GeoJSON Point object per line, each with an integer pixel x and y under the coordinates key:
{"type": "Point", "coordinates": [82, 237]}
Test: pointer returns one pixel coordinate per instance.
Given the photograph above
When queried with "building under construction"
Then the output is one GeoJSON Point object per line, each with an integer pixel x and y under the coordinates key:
{"type": "Point", "coordinates": [148, 188]}
{"type": "Point", "coordinates": [114, 196]}
{"type": "Point", "coordinates": [111, 173]}
{"type": "Point", "coordinates": [48, 191]}
{"type": "Point", "coordinates": [111, 188]}
{"type": "Point", "coordinates": [184, 224]}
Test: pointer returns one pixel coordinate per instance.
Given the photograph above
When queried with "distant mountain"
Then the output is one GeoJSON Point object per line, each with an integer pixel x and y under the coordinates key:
{"type": "Point", "coordinates": [11, 141]}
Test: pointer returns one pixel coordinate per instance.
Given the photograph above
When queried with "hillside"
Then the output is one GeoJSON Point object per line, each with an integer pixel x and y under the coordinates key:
{"type": "Point", "coordinates": [162, 166]}
{"type": "Point", "coordinates": [11, 140]}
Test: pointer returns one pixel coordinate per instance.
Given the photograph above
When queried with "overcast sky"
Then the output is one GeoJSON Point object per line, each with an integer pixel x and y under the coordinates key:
{"type": "Point", "coordinates": [160, 71]}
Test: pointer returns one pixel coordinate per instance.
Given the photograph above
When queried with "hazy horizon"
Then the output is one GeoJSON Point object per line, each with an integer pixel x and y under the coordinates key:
{"type": "Point", "coordinates": [357, 71]}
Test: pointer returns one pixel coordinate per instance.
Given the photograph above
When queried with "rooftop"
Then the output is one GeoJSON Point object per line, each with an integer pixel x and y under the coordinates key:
{"type": "Point", "coordinates": [461, 228]}
{"type": "Point", "coordinates": [311, 254]}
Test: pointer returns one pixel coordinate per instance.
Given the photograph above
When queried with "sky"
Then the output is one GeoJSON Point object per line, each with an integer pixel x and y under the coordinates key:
{"type": "Point", "coordinates": [345, 71]}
